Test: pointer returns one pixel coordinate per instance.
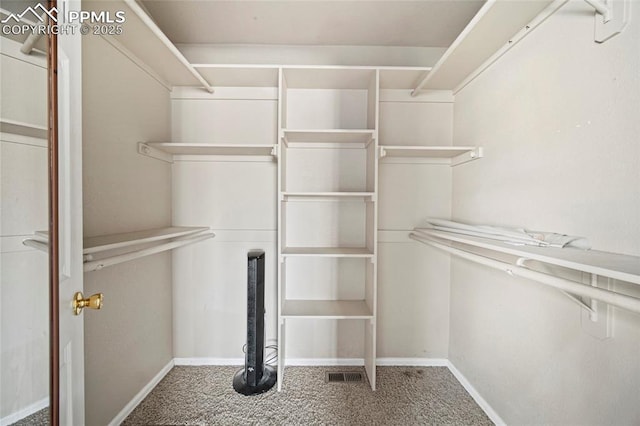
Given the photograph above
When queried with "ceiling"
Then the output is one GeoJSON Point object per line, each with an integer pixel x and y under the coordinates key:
{"type": "Point", "coordinates": [426, 23]}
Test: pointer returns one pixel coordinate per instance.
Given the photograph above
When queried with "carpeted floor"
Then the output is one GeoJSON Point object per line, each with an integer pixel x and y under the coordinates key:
{"type": "Point", "coordinates": [405, 396]}
{"type": "Point", "coordinates": [39, 418]}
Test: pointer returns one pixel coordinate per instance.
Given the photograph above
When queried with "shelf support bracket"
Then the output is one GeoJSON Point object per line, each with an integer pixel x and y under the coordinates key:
{"type": "Point", "coordinates": [145, 149]}
{"type": "Point", "coordinates": [588, 307]}
{"type": "Point", "coordinates": [383, 152]}
{"type": "Point", "coordinates": [599, 321]}
{"type": "Point", "coordinates": [467, 157]}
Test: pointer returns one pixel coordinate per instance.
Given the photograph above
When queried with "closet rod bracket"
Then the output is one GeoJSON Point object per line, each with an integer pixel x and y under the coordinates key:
{"type": "Point", "coordinates": [589, 307]}
{"type": "Point", "coordinates": [149, 151]}
{"type": "Point", "coordinates": [611, 17]}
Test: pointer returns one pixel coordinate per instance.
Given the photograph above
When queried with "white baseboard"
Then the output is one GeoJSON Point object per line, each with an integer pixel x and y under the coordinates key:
{"type": "Point", "coordinates": [293, 361]}
{"type": "Point", "coordinates": [119, 418]}
{"type": "Point", "coordinates": [313, 362]}
{"type": "Point", "coordinates": [209, 361]}
{"type": "Point", "coordinates": [412, 362]}
{"type": "Point", "coordinates": [25, 412]}
{"type": "Point", "coordinates": [417, 362]}
{"type": "Point", "coordinates": [489, 411]}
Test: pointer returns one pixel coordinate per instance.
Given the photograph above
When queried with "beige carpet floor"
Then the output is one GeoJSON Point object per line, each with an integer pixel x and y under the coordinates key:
{"type": "Point", "coordinates": [405, 396]}
{"type": "Point", "coordinates": [39, 418]}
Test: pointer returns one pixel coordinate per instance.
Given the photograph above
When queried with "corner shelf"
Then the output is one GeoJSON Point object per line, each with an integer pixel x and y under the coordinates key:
{"type": "Point", "coordinates": [326, 309]}
{"type": "Point", "coordinates": [345, 138]}
{"type": "Point", "coordinates": [166, 151]}
{"type": "Point", "coordinates": [617, 266]}
{"type": "Point", "coordinates": [452, 155]}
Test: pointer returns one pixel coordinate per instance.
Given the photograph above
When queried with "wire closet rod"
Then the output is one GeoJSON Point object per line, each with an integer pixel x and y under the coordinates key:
{"type": "Point", "coordinates": [36, 244]}
{"type": "Point", "coordinates": [607, 296]}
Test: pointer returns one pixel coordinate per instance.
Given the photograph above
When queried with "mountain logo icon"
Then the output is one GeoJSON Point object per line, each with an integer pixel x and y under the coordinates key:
{"type": "Point", "coordinates": [44, 13]}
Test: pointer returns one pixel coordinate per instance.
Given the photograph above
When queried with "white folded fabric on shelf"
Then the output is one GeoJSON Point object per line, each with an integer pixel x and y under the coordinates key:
{"type": "Point", "coordinates": [516, 236]}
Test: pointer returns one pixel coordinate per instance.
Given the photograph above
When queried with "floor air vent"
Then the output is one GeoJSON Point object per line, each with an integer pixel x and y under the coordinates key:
{"type": "Point", "coordinates": [343, 377]}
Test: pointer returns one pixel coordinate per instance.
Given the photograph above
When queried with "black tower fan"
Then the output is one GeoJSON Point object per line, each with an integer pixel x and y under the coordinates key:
{"type": "Point", "coordinates": [255, 377]}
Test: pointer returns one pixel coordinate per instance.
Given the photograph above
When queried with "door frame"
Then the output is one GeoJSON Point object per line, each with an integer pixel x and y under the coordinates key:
{"type": "Point", "coordinates": [54, 255]}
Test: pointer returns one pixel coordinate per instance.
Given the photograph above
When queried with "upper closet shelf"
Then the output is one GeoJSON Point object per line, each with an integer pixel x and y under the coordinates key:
{"type": "Point", "coordinates": [452, 155]}
{"type": "Point", "coordinates": [341, 137]}
{"type": "Point", "coordinates": [617, 266]}
{"type": "Point", "coordinates": [491, 28]}
{"type": "Point", "coordinates": [167, 151]}
{"type": "Point", "coordinates": [144, 43]}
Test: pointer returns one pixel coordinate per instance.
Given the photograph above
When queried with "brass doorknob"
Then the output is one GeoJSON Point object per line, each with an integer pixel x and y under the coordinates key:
{"type": "Point", "coordinates": [79, 302]}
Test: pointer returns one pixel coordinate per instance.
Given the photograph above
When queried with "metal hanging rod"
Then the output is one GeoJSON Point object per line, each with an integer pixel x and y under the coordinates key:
{"type": "Point", "coordinates": [36, 244]}
{"type": "Point", "coordinates": [607, 296]}
{"type": "Point", "coordinates": [601, 8]}
{"type": "Point", "coordinates": [96, 265]}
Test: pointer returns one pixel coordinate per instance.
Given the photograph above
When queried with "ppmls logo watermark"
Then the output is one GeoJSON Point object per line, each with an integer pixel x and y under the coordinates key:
{"type": "Point", "coordinates": [43, 21]}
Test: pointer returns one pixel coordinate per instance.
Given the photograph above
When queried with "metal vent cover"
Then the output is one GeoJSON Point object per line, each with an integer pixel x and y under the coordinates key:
{"type": "Point", "coordinates": [343, 377]}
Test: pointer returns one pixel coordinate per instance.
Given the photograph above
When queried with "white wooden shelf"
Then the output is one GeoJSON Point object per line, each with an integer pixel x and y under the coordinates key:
{"type": "Point", "coordinates": [116, 241]}
{"type": "Point", "coordinates": [326, 309]}
{"type": "Point", "coordinates": [347, 138]}
{"type": "Point", "coordinates": [145, 44]}
{"type": "Point", "coordinates": [327, 251]}
{"type": "Point", "coordinates": [491, 29]}
{"type": "Point", "coordinates": [326, 195]}
{"type": "Point", "coordinates": [453, 155]}
{"type": "Point", "coordinates": [617, 266]}
{"type": "Point", "coordinates": [166, 151]}
{"type": "Point", "coordinates": [92, 245]}
{"type": "Point", "coordinates": [167, 239]}
{"type": "Point", "coordinates": [23, 129]}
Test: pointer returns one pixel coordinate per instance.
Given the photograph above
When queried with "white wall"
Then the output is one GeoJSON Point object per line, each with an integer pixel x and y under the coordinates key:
{"type": "Point", "coordinates": [312, 55]}
{"type": "Point", "coordinates": [558, 117]}
{"type": "Point", "coordinates": [413, 280]}
{"type": "Point", "coordinates": [24, 314]}
{"type": "Point", "coordinates": [130, 340]}
{"type": "Point", "coordinates": [236, 197]}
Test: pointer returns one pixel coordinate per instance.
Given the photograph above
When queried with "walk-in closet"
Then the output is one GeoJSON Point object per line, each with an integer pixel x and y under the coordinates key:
{"type": "Point", "coordinates": [445, 196]}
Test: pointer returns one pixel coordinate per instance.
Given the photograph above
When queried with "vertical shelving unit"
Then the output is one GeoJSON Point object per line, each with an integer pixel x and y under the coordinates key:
{"type": "Point", "coordinates": [327, 213]}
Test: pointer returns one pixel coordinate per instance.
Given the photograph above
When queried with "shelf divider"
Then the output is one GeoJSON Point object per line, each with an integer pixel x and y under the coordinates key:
{"type": "Point", "coordinates": [326, 309]}
{"type": "Point", "coordinates": [327, 251]}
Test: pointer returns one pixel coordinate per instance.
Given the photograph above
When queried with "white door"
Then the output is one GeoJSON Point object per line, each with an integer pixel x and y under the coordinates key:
{"type": "Point", "coordinates": [70, 223]}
